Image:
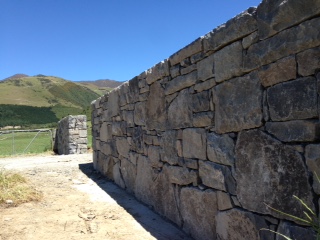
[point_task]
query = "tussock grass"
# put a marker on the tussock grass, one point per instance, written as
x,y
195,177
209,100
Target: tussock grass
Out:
x,y
15,187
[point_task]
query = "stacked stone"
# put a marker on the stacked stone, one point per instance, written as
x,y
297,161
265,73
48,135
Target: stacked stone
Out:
x,y
71,135
224,127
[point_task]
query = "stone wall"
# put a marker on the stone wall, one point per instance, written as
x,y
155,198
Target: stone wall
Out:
x,y
224,127
71,135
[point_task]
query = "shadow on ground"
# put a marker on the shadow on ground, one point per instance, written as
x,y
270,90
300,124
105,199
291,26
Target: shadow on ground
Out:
x,y
149,220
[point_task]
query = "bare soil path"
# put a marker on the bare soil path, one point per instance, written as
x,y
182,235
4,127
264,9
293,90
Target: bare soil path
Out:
x,y
78,203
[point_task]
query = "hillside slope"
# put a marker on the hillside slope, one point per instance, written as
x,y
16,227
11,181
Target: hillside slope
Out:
x,y
43,91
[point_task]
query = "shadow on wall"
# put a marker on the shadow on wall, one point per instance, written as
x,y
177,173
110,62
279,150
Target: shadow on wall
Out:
x,y
141,213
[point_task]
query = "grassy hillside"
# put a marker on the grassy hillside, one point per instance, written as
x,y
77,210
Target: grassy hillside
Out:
x,y
41,100
100,86
42,91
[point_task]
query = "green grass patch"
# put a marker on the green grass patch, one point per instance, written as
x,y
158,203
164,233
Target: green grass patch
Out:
x,y
15,187
18,142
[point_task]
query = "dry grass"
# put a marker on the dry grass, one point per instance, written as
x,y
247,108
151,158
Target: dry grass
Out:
x,y
16,188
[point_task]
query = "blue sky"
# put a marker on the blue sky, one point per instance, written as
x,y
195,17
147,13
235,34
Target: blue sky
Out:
x,y
99,39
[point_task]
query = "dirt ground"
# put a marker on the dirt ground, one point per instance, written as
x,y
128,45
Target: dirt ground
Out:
x,y
78,203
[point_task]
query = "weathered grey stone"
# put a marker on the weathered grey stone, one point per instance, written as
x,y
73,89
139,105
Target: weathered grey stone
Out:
x,y
154,156
181,82
113,103
228,62
133,157
210,83
188,69
189,163
250,39
294,231
220,149
206,68
234,29
268,172
192,48
235,224
105,132
169,152
200,102
123,147
197,57
180,111
216,176
198,209
238,104
175,71
293,100
312,156
282,70
203,119
137,140
129,173
290,41
128,117
117,176
308,61
224,201
154,189
116,129
294,131
194,143
123,94
276,15
181,175
140,113
157,72
185,62
156,112
179,148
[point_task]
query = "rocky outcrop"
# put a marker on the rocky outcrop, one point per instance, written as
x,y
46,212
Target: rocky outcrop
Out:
x,y
225,129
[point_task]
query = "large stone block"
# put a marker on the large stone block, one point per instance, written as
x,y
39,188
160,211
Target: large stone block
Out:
x,y
238,104
290,41
181,175
194,143
308,61
129,173
158,71
235,224
180,111
268,172
189,50
228,62
201,102
123,147
293,100
154,189
236,28
154,156
295,232
180,83
140,113
169,152
206,68
220,149
282,70
156,112
203,119
113,108
276,15
216,176
312,155
105,132
133,90
294,131
198,210
137,140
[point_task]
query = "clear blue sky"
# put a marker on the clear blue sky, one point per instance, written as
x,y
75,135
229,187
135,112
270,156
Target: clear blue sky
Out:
x,y
98,39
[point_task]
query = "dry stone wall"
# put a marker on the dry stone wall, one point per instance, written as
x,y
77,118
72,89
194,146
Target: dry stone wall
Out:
x,y
223,127
71,135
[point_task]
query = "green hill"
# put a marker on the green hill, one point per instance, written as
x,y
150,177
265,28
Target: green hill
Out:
x,y
41,99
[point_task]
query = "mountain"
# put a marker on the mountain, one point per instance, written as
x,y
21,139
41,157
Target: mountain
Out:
x,y
42,93
100,86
